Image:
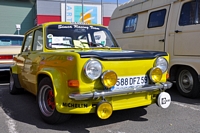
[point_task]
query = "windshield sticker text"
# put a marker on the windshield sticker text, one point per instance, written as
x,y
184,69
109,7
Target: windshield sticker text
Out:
x,y
94,28
64,26
81,26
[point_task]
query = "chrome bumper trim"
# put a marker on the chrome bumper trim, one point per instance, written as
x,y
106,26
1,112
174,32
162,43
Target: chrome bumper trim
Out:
x,y
110,93
5,67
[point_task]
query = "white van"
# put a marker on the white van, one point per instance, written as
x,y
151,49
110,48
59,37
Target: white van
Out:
x,y
164,25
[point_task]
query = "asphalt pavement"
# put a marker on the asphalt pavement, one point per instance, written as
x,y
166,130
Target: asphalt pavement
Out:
x,y
19,114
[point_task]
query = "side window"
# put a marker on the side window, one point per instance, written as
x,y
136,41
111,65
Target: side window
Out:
x,y
130,24
38,40
28,41
157,18
187,16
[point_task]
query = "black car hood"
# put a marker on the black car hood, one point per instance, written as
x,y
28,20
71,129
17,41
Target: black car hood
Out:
x,y
122,54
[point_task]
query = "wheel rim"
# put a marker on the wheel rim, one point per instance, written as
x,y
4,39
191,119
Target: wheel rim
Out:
x,y
185,81
11,82
46,100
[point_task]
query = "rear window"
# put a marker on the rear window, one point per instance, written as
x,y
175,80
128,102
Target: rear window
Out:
x,y
10,41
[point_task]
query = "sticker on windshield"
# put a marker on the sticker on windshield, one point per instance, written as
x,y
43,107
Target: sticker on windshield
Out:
x,y
50,45
81,26
50,40
49,36
64,26
94,28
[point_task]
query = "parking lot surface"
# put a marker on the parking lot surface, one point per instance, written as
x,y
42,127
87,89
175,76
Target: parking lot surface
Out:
x,y
19,114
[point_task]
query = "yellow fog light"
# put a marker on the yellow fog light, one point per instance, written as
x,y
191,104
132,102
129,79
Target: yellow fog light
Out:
x,y
104,110
109,78
155,74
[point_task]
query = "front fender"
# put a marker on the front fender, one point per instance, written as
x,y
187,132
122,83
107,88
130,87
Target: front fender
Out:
x,y
59,82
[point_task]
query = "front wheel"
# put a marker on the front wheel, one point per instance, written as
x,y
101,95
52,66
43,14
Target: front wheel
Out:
x,y
46,103
187,82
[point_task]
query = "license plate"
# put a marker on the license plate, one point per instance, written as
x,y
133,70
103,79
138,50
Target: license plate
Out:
x,y
126,82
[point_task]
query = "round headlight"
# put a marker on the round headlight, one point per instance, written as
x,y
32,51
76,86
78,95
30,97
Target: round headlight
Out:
x,y
162,64
109,78
155,74
93,69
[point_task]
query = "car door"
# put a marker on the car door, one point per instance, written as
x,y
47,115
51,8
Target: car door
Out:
x,y
154,36
33,60
187,30
23,59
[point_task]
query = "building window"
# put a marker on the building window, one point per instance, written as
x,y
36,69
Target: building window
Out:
x,y
190,13
130,24
157,18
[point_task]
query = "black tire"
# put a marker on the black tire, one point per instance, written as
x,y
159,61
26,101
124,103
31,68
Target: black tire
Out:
x,y
46,104
12,88
187,82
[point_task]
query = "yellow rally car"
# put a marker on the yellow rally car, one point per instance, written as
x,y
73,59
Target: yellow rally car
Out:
x,y
79,68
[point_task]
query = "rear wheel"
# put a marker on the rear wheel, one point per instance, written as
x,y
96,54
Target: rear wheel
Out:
x,y
46,103
12,88
187,82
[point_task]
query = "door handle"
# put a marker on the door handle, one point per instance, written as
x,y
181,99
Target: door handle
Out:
x,y
177,31
162,40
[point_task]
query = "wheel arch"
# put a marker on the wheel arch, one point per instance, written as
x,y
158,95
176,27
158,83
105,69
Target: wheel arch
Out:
x,y
14,72
58,83
47,104
53,74
40,77
174,69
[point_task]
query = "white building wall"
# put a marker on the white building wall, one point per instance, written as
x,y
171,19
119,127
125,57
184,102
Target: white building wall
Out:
x,y
45,7
48,7
108,9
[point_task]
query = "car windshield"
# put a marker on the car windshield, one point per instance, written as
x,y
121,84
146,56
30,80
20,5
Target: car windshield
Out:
x,y
11,40
79,36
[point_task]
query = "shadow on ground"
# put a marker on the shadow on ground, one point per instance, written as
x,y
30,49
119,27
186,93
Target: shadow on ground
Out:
x,y
23,108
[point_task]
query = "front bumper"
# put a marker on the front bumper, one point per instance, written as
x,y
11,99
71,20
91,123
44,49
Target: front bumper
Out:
x,y
110,93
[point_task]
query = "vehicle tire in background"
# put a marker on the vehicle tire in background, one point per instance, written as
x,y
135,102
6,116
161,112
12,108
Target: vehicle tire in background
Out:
x,y
46,103
187,82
